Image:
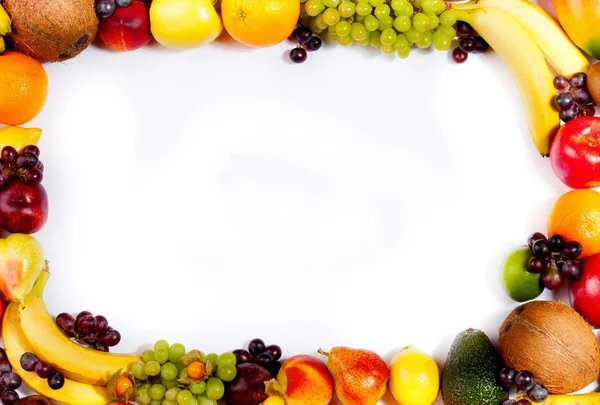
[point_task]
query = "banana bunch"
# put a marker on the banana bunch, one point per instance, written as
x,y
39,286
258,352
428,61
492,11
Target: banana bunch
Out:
x,y
4,27
28,327
533,46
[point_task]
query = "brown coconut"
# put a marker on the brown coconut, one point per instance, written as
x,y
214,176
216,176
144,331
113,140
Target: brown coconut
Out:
x,y
52,30
554,342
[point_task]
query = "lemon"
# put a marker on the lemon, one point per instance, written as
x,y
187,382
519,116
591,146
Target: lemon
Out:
x,y
18,137
414,377
520,284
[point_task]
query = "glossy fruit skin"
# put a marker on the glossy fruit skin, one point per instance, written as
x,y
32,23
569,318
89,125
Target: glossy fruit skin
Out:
x,y
414,377
581,21
184,24
584,295
305,380
127,29
248,387
575,153
23,208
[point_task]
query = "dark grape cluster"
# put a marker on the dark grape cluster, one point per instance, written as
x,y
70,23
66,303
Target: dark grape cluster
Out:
x,y
30,362
259,353
106,8
89,330
469,42
25,165
307,41
9,381
554,258
525,384
573,98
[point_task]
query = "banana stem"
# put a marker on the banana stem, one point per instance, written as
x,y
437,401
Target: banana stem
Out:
x,y
40,284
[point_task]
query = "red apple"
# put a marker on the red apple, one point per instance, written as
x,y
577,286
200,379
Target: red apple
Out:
x,y
128,28
23,208
584,294
575,153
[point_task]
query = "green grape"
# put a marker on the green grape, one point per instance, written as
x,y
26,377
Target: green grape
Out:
x,y
320,22
170,383
441,41
331,16
301,8
425,41
157,391
156,402
448,18
413,35
183,373
138,370
226,358
418,4
398,4
198,389
388,36
363,8
142,395
215,389
161,355
402,23
358,31
169,402
193,401
346,40
387,49
180,365
382,11
366,41
331,3
407,11
227,372
184,397
204,400
371,23
421,22
171,394
347,9
161,344
441,7
385,23
168,371
434,21
376,3
429,6
314,7
152,368
147,355
312,25
375,39
331,30
177,350
359,18
332,37
448,31
342,29
401,43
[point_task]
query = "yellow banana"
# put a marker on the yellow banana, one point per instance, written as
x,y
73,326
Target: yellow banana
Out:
x,y
50,344
19,137
72,393
4,21
559,50
527,66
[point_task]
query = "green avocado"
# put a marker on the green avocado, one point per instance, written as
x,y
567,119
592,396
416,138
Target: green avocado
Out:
x,y
469,374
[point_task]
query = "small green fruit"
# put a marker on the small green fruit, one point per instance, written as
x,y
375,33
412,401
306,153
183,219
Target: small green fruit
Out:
x,y
520,284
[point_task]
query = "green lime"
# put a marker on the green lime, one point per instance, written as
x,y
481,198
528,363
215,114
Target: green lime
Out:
x,y
520,284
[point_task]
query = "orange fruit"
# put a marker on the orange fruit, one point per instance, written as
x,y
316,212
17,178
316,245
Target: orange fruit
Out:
x,y
260,23
23,88
576,216
122,385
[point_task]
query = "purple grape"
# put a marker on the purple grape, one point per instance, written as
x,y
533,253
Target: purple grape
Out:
x,y
101,347
81,315
459,56
56,381
589,110
463,28
541,249
506,377
34,177
9,397
43,369
523,401
105,8
3,354
537,393
86,324
556,243
9,155
66,323
28,361
578,80
5,367
467,44
40,167
298,55
572,250
508,402
534,237
31,149
480,45
571,270
256,347
242,356
552,278
564,101
274,368
27,161
524,380
90,340
561,83
264,359
11,381
274,351
124,3
313,44
303,35
536,265
570,114
583,97
4,180
101,324
111,338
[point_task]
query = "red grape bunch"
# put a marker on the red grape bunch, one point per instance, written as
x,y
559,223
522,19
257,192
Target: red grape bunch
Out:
x,y
25,165
469,42
554,258
30,362
524,383
89,330
9,381
573,99
307,41
259,353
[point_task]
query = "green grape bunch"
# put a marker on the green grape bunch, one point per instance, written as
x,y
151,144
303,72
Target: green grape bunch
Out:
x,y
394,26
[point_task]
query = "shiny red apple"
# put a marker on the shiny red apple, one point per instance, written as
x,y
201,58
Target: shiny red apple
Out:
x,y
575,153
584,294
23,208
128,28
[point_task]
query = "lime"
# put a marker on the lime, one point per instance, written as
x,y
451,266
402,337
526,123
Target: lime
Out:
x,y
520,284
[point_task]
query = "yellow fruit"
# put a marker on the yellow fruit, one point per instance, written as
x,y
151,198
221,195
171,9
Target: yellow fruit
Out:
x,y
272,400
184,24
18,137
414,377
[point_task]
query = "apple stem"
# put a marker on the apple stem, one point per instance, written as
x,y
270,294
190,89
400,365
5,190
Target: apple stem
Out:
x,y
323,353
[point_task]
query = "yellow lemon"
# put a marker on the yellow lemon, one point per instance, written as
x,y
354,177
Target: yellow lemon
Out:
x,y
18,137
414,377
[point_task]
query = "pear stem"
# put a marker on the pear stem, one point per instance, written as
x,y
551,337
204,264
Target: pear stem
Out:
x,y
323,353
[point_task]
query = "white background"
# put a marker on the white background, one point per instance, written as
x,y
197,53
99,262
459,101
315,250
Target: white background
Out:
x,y
212,196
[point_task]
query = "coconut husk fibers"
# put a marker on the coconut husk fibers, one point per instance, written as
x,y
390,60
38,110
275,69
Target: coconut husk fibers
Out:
x,y
552,341
52,30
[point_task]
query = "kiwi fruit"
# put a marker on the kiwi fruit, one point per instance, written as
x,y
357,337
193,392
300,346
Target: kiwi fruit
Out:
x,y
593,82
552,341
52,30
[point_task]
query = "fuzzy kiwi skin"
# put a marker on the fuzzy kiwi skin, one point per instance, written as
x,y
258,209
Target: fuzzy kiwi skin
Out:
x,y
52,30
469,374
552,341
593,82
